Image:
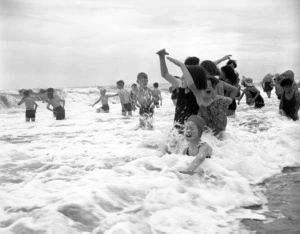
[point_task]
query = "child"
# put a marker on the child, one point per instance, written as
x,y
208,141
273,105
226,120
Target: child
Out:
x,y
124,98
58,109
194,128
104,99
30,105
156,95
133,92
290,100
144,99
255,97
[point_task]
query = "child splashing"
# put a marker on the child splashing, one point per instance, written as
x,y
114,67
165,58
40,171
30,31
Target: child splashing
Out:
x,y
194,128
104,100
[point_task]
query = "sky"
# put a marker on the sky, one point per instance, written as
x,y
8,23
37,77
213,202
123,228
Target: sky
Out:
x,y
69,43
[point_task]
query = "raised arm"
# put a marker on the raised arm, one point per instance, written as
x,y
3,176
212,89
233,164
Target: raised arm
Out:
x,y
164,70
226,57
189,80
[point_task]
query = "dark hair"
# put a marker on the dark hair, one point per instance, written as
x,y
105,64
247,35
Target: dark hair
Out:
x,y
192,61
134,85
50,95
26,93
211,67
50,90
155,85
120,82
199,76
286,82
229,74
233,62
214,81
141,74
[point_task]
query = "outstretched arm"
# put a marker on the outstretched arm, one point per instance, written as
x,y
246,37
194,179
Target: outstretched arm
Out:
x,y
204,151
222,59
164,70
231,89
111,95
97,101
22,100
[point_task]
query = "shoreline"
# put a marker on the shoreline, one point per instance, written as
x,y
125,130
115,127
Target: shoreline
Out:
x,y
283,207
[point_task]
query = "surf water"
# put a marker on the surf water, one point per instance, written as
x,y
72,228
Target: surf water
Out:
x,y
99,173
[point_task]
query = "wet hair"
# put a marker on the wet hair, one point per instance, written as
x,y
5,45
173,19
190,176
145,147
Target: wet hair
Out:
x,y
192,61
155,85
50,95
120,83
233,62
134,85
26,93
211,67
199,122
286,82
214,81
50,90
229,74
103,91
198,74
141,75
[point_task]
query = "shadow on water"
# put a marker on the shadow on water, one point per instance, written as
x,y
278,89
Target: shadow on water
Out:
x,y
283,213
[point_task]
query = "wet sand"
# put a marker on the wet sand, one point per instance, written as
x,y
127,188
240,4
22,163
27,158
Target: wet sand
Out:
x,y
283,208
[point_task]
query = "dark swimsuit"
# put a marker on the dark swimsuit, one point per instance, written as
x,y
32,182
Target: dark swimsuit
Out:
x,y
188,154
268,87
30,113
289,106
185,107
59,112
105,107
259,101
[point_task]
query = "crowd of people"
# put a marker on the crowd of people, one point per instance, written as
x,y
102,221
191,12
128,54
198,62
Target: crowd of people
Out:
x,y
203,96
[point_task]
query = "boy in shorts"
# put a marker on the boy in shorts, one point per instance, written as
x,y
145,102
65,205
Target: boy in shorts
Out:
x,y
30,106
156,95
124,98
104,99
133,93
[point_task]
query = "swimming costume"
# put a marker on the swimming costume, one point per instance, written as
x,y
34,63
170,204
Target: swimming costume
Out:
x,y
289,106
259,101
105,107
59,112
127,107
268,87
188,153
30,113
146,110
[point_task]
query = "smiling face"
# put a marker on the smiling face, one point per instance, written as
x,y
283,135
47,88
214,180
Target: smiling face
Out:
x,y
191,132
143,81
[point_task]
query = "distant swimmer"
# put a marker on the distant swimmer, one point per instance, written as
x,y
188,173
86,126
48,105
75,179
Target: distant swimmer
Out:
x,y
267,84
253,94
133,92
125,98
290,100
58,109
156,95
30,105
193,130
104,100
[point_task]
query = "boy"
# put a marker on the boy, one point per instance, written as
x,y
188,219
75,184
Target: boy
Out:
x,y
290,100
57,109
156,95
124,98
144,100
30,106
104,99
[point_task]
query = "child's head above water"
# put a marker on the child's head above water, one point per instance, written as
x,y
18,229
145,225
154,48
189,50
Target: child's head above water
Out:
x,y
120,84
194,128
155,85
102,91
26,93
142,79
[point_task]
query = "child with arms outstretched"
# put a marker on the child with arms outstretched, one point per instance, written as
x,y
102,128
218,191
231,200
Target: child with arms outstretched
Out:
x,y
104,100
